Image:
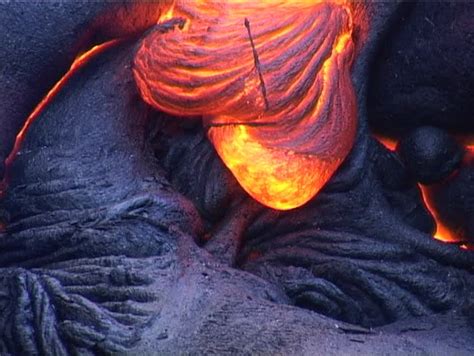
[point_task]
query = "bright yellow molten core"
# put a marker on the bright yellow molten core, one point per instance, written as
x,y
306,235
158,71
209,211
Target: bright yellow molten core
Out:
x,y
277,178
272,81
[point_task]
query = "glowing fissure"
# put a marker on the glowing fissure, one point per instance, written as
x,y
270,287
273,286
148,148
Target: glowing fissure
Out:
x,y
389,143
271,80
79,62
443,232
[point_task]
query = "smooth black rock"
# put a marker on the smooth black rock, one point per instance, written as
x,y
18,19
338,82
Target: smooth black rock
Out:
x,y
424,73
430,154
403,195
454,201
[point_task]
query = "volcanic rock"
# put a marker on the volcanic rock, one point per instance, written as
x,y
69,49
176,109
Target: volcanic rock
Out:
x,y
430,154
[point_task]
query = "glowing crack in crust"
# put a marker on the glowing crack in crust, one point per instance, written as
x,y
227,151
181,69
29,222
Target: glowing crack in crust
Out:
x,y
282,138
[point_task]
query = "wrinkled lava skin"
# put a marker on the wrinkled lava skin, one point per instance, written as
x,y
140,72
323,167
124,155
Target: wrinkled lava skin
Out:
x,y
282,126
119,224
33,60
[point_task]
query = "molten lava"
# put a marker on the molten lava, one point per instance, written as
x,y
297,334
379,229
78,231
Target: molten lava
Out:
x,y
443,232
388,142
271,79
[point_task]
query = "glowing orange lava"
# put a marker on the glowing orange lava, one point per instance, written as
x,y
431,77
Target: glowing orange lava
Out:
x,y
470,149
442,233
388,142
271,80
78,63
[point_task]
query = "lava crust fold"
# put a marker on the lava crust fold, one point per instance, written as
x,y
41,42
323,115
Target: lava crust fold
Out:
x,y
271,80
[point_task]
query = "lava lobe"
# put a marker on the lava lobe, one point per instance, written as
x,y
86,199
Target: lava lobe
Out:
x,y
271,80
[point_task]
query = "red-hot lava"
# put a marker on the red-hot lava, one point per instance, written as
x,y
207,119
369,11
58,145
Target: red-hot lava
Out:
x,y
271,79
388,142
79,62
443,232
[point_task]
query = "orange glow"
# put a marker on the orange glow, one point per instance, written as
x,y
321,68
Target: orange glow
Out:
x,y
443,233
168,15
389,143
470,152
271,80
275,165
78,63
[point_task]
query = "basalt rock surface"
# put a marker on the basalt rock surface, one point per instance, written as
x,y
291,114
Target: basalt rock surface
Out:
x,y
430,154
126,234
41,39
424,74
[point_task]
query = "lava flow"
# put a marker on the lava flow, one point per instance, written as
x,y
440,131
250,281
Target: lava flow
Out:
x,y
443,232
271,80
79,62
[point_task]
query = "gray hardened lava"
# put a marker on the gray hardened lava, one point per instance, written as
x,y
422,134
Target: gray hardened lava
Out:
x,y
41,39
453,199
424,73
430,154
91,235
125,233
435,159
